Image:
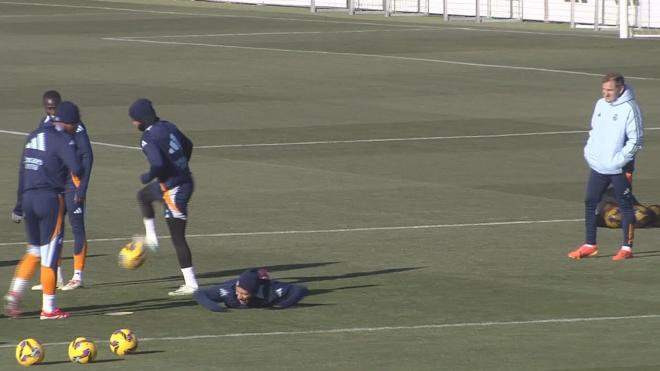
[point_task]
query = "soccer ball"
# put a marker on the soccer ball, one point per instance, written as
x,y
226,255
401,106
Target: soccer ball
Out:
x,y
123,341
132,255
82,350
643,216
612,217
29,352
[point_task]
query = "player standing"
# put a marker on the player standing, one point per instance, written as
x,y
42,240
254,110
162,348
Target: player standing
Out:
x,y
168,151
47,160
616,135
74,196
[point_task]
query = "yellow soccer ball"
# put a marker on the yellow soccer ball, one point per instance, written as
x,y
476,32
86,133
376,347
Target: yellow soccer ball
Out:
x,y
612,217
132,255
644,217
82,350
29,352
123,341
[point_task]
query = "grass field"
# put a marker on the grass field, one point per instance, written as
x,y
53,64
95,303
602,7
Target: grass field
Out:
x,y
424,180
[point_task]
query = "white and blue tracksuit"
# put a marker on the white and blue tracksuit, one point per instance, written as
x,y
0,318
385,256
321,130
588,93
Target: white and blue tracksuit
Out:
x,y
616,135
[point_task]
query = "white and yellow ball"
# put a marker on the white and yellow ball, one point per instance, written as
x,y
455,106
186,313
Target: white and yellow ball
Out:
x,y
82,350
29,352
123,341
132,255
612,217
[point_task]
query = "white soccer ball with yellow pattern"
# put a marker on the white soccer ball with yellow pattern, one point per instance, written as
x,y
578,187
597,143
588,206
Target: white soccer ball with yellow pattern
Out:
x,y
82,350
132,255
29,352
123,341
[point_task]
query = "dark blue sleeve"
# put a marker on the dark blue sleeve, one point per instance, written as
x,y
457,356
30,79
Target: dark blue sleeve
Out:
x,y
155,158
86,158
18,209
65,150
187,145
292,295
209,298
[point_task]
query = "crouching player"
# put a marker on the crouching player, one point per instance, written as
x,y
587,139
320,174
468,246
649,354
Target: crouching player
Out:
x,y
252,289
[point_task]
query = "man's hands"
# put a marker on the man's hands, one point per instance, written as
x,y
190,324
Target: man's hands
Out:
x,y
16,216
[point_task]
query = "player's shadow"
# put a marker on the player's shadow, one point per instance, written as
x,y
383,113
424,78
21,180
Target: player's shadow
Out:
x,y
145,352
12,263
8,263
69,362
227,274
347,275
130,306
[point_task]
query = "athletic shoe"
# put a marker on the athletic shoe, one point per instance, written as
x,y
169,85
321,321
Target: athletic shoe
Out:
x,y
151,244
60,285
55,314
622,255
72,285
12,305
183,290
583,251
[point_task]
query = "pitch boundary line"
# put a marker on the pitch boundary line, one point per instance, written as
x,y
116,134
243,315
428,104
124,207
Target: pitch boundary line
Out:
x,y
385,328
279,33
378,56
339,230
351,141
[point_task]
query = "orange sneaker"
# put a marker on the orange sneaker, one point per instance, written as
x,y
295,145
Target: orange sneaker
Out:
x,y
622,255
583,251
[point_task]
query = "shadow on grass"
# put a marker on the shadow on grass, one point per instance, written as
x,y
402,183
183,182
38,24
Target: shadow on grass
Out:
x,y
226,274
637,254
12,263
145,352
348,275
131,306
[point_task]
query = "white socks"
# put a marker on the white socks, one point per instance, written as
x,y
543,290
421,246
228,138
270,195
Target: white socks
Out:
x,y
48,303
150,230
189,277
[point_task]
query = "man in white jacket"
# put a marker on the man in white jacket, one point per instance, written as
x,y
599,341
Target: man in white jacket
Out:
x,y
616,135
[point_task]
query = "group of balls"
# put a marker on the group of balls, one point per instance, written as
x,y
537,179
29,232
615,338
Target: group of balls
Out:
x,y
645,216
81,350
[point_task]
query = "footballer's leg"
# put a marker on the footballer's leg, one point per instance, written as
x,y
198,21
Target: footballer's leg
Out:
x,y
596,186
623,193
28,264
146,197
76,214
51,209
176,215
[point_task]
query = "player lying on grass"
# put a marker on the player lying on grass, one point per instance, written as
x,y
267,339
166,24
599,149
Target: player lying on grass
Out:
x,y
252,289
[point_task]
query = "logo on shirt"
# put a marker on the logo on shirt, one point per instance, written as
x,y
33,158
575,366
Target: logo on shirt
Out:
x,y
616,116
144,144
223,292
78,211
38,142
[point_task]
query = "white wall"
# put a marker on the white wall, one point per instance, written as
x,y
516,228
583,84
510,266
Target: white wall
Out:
x,y
533,10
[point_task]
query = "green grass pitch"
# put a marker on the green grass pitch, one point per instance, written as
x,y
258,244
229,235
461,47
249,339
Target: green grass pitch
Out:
x,y
443,252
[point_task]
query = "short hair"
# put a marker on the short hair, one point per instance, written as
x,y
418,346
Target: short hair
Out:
x,y
52,94
614,76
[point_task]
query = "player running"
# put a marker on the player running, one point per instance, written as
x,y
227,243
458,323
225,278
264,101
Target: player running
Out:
x,y
47,161
252,289
168,151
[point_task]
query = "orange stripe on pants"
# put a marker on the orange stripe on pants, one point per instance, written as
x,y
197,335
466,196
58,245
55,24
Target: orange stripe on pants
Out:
x,y
79,259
